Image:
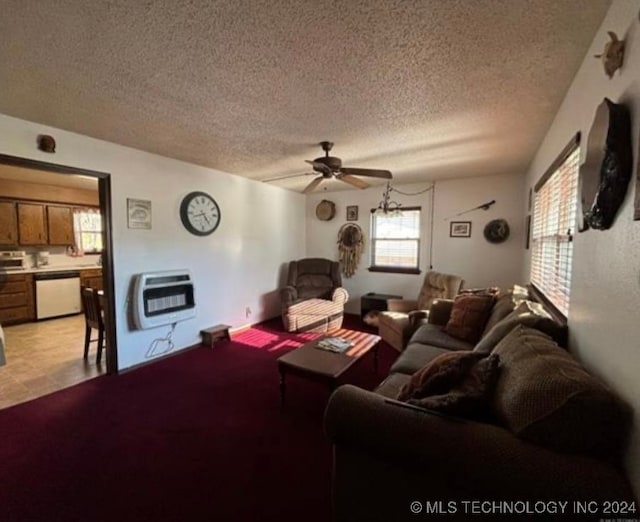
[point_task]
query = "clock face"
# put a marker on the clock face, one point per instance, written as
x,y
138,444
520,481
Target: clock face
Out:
x,y
199,213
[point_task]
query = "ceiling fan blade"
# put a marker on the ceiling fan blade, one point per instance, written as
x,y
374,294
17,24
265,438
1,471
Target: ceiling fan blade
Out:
x,y
353,181
287,177
314,183
372,173
320,167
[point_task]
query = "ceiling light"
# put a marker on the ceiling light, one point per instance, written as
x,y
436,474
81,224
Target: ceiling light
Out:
x,y
387,207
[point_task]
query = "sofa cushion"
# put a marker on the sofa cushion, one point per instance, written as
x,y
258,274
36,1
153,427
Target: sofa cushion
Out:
x,y
545,396
414,357
505,303
456,383
434,335
391,386
526,313
468,316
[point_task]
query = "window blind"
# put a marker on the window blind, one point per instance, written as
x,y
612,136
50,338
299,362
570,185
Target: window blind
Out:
x,y
395,239
554,217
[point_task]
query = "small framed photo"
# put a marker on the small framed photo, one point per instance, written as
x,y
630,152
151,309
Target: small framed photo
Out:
x,y
460,229
138,213
352,213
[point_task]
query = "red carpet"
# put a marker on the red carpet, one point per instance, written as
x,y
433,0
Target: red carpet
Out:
x,y
197,436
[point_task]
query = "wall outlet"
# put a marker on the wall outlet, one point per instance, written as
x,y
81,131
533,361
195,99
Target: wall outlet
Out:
x,y
247,312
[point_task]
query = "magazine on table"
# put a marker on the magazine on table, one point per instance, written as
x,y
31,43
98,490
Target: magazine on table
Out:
x,y
334,344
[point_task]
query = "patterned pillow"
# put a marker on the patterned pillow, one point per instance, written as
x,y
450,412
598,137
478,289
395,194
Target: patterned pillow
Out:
x,y
468,316
456,383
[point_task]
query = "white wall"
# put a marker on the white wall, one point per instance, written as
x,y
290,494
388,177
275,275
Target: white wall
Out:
x,y
477,261
605,289
240,265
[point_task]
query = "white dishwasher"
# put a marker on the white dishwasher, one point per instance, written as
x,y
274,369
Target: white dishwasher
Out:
x,y
57,293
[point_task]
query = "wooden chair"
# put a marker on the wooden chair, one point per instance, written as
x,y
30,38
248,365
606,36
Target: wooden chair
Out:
x,y
93,320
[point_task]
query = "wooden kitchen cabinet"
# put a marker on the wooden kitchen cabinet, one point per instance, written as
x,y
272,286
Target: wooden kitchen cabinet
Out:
x,y
60,225
92,278
32,228
8,223
17,303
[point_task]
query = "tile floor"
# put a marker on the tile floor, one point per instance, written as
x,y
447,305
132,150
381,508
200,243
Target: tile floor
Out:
x,y
43,357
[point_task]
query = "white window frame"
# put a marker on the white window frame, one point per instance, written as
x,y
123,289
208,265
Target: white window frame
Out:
x,y
375,264
553,225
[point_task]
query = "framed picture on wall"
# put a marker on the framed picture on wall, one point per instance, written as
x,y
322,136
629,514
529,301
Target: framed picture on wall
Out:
x,y
460,229
352,213
138,213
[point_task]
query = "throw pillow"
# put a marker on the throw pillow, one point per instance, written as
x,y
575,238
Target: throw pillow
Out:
x,y
506,301
545,396
527,313
468,316
456,383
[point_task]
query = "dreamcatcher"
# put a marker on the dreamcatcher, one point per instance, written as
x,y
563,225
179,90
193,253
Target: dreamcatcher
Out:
x,y
350,245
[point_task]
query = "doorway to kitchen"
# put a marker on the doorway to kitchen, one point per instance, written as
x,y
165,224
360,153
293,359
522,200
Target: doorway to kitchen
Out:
x,y
42,333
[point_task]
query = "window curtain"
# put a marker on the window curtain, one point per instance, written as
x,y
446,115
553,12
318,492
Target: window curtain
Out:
x,y
87,222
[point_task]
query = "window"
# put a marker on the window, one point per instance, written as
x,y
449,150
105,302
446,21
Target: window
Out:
x,y
395,241
554,216
87,226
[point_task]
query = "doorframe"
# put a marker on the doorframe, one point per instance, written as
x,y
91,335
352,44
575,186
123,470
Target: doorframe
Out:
x,y
104,196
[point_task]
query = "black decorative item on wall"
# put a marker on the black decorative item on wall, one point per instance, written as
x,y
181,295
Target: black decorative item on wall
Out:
x,y
496,231
605,174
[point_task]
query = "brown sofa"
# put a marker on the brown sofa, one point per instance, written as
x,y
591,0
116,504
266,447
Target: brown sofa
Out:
x,y
556,434
313,299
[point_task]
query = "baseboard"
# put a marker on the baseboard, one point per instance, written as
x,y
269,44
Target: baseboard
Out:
x,y
159,358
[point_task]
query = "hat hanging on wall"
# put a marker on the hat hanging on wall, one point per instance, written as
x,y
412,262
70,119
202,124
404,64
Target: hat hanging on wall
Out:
x,y
496,231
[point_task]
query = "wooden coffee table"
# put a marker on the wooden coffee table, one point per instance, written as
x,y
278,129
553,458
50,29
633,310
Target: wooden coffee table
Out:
x,y
325,366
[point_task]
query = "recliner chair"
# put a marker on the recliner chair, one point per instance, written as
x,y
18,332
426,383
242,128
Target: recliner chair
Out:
x,y
403,317
313,300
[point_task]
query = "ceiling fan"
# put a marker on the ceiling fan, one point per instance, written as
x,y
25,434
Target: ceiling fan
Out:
x,y
331,167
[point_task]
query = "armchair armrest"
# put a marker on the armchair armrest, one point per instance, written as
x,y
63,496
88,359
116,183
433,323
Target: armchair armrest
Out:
x,y
416,317
440,311
485,460
402,305
340,295
288,295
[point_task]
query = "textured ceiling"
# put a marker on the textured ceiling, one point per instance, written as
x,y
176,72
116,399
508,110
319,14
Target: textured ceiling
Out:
x,y
426,89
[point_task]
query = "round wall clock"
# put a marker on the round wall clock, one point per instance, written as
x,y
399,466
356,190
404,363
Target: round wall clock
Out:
x,y
199,213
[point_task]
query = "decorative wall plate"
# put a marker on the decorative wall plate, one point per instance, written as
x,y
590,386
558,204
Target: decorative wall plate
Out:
x,y
496,231
326,210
